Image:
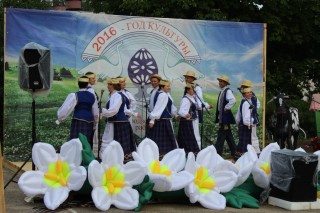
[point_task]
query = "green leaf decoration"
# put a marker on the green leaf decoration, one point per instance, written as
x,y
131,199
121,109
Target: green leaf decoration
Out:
x,y
251,187
145,192
239,198
87,154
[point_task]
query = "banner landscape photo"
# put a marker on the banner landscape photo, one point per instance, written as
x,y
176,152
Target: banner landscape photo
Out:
x,y
127,46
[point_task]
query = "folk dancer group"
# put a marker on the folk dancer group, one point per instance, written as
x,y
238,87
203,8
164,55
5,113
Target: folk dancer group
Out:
x,y
121,106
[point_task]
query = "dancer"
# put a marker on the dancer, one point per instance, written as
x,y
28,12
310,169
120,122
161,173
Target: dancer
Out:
x,y
224,116
85,115
131,102
246,118
95,136
161,129
188,117
255,101
117,127
155,81
190,77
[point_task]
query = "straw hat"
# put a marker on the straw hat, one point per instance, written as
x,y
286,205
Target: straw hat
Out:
x,y
155,76
91,75
165,82
245,90
113,81
122,79
246,83
190,74
192,85
83,79
224,78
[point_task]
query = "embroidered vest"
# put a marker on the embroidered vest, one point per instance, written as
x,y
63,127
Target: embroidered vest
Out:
x,y
83,108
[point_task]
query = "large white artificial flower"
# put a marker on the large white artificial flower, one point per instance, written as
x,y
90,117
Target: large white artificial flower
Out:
x,y
245,164
212,175
261,172
58,174
112,180
167,174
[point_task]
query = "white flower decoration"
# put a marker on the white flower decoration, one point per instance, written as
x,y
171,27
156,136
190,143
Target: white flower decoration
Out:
x,y
112,181
167,174
245,164
58,174
212,176
261,172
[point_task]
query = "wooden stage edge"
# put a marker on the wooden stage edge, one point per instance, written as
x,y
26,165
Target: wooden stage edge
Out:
x,y
14,166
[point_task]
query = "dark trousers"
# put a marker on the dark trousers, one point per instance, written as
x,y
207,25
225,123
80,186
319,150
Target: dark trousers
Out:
x,y
225,134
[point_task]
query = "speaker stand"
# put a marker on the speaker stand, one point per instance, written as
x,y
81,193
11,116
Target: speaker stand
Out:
x,y
32,142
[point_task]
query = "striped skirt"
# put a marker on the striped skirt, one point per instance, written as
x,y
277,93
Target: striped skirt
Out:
x,y
78,126
162,134
186,137
244,134
124,135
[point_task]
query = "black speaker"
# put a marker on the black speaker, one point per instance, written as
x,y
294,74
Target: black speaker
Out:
x,y
294,176
35,73
32,58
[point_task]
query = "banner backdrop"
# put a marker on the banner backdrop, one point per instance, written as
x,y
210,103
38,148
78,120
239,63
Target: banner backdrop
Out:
x,y
132,47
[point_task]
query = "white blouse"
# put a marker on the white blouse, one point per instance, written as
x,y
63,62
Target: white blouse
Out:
x,y
198,96
246,114
69,104
132,103
160,106
185,105
115,101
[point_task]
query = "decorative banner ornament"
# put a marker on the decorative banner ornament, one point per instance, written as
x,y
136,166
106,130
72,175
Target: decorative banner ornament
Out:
x,y
141,66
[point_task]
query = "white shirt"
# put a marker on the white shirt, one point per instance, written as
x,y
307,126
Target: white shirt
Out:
x,y
69,104
160,106
132,103
115,101
185,105
246,114
199,98
229,96
151,100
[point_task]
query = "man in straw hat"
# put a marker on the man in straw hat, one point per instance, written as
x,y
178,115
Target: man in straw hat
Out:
x,y
255,101
85,115
117,127
190,77
246,118
161,129
224,116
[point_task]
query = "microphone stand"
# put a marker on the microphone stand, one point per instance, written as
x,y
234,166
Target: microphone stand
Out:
x,y
146,106
202,106
99,131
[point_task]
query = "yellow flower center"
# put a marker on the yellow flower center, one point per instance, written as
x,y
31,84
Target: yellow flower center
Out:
x,y
156,168
113,180
203,182
265,167
58,174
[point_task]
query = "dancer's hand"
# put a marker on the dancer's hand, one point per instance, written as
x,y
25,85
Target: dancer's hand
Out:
x,y
151,125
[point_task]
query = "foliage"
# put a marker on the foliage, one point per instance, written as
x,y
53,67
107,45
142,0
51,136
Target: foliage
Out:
x,y
314,144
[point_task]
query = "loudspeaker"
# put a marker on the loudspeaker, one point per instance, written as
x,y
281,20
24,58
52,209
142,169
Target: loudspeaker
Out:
x,y
294,176
35,73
